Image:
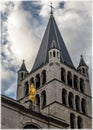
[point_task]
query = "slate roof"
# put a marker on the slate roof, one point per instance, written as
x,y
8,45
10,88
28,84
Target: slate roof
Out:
x,y
82,62
23,67
52,33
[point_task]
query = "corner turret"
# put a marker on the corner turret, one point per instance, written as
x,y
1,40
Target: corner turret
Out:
x,y
83,68
22,73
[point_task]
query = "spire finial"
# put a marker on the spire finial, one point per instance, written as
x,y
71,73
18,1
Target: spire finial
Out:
x,y
51,5
23,61
81,56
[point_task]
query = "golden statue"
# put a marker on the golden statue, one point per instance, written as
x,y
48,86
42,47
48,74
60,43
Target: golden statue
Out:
x,y
32,93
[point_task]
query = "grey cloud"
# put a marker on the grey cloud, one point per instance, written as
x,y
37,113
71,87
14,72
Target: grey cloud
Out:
x,y
74,21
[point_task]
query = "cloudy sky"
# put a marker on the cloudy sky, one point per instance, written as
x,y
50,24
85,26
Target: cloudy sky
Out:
x,y
22,27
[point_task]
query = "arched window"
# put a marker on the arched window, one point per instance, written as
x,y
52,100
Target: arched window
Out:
x,y
44,77
69,78
43,95
79,70
79,122
50,54
81,85
54,54
57,54
83,105
26,88
32,80
37,100
77,102
64,96
63,74
83,70
72,121
71,100
30,126
21,75
37,81
25,74
75,82
86,71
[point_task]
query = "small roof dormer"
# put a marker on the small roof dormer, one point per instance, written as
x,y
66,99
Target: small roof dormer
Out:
x,y
54,45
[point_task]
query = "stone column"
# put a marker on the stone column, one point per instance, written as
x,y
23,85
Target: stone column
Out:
x,y
74,103
35,82
66,77
78,84
76,125
80,106
40,80
67,99
40,101
72,81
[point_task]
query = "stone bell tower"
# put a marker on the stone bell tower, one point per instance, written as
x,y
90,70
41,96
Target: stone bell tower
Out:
x,y
63,91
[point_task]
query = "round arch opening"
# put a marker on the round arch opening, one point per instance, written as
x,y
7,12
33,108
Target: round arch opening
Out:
x,y
30,126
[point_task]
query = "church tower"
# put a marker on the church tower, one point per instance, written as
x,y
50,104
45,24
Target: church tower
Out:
x,y
83,68
22,74
62,90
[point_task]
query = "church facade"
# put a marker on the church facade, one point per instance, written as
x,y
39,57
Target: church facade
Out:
x,y
63,94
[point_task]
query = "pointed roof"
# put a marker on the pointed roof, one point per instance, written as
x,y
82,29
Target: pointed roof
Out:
x,y
82,62
23,67
52,33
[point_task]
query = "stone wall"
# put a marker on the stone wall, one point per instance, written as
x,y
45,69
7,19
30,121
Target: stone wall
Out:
x,y
15,116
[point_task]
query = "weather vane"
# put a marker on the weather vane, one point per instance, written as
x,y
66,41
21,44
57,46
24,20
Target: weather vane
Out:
x,y
51,5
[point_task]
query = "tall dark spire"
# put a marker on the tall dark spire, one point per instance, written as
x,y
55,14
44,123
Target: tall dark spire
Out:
x,y
23,67
52,33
